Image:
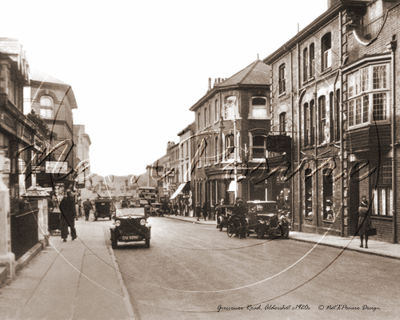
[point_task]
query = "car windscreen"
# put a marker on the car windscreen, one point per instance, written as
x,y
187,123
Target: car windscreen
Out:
x,y
130,212
262,207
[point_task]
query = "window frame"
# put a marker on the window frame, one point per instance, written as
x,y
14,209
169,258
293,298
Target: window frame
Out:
x,y
282,123
326,51
359,93
252,147
258,107
282,78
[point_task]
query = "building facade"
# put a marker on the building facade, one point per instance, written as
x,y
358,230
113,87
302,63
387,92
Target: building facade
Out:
x,y
232,122
82,144
336,78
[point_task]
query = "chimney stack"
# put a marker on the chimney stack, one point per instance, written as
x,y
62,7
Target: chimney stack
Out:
x,y
209,83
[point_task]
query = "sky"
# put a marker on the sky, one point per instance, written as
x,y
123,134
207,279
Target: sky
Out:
x,y
136,67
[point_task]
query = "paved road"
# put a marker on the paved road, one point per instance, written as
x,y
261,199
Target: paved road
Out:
x,y
191,270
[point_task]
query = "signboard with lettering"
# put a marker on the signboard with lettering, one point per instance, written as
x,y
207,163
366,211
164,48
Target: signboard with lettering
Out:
x,y
56,167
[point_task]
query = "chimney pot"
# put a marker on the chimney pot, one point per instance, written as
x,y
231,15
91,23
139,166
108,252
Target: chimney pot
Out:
x,y
209,83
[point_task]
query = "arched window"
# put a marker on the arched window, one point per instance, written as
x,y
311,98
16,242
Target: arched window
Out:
x,y
216,110
337,114
321,120
331,126
312,122
312,60
306,124
282,123
46,107
205,117
229,147
230,107
305,64
326,54
216,149
308,193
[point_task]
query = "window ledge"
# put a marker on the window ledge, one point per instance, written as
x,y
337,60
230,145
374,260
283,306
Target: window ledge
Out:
x,y
281,94
308,80
260,118
327,221
327,70
257,160
308,218
376,216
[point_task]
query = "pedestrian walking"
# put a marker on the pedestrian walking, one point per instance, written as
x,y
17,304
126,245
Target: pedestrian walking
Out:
x,y
175,209
87,206
198,211
68,214
205,210
364,221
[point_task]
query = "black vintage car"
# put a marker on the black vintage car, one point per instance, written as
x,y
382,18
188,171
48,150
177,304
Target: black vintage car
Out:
x,y
130,224
103,208
223,214
264,218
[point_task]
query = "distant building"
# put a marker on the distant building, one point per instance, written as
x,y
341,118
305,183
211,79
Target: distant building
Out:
x,y
82,145
54,100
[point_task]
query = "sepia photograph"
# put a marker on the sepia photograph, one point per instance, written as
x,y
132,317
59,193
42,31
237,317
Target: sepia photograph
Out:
x,y
199,159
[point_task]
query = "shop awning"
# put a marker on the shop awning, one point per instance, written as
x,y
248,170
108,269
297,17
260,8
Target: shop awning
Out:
x,y
179,190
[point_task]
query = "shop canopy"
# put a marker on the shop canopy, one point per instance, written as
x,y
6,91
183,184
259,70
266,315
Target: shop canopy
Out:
x,y
179,190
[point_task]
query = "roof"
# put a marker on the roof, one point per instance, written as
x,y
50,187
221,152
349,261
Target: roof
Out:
x,y
255,74
313,27
189,127
40,76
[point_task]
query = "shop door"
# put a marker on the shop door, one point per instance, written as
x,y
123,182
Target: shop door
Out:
x,y
354,203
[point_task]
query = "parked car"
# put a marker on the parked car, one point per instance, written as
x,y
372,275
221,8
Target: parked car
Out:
x,y
223,218
155,209
264,218
130,224
103,208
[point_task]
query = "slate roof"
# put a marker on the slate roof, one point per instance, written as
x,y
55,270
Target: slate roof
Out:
x,y
40,76
255,74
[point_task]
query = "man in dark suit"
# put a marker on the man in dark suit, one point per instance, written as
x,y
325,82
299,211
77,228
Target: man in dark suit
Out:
x,y
68,213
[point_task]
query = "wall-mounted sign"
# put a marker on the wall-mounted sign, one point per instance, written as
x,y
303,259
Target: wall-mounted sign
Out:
x,y
56,167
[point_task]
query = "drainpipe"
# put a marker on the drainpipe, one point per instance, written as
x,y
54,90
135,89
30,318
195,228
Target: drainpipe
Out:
x,y
316,135
292,143
341,130
299,192
392,46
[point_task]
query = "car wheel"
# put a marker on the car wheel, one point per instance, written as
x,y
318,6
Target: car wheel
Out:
x,y
260,233
114,242
148,243
230,229
285,233
271,234
95,218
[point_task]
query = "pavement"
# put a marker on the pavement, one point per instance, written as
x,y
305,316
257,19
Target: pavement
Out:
x,y
80,279
76,279
375,247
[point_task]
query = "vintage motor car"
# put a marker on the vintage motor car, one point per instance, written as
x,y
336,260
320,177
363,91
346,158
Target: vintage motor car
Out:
x,y
264,218
224,212
155,209
103,208
130,224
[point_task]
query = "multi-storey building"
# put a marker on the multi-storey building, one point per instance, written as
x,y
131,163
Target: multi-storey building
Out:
x,y
17,132
172,168
82,145
54,100
336,79
231,127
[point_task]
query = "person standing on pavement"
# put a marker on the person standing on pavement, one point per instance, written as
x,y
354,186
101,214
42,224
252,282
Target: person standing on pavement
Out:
x,y
205,210
364,221
239,211
68,213
87,206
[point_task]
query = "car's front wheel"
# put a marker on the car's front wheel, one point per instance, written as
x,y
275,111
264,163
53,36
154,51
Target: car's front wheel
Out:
x,y
260,233
285,233
114,242
148,243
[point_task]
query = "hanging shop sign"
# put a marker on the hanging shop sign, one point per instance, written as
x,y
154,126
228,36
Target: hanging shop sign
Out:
x,y
56,167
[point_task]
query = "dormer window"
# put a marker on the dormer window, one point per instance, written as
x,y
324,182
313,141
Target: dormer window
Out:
x,y
259,108
46,107
326,45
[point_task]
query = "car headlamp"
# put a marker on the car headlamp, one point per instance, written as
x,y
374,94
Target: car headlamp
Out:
x,y
118,223
262,221
142,222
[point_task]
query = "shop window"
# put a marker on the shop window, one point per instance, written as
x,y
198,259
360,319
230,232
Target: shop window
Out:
x,y
322,120
258,108
326,54
258,147
282,123
282,83
46,107
368,95
308,193
383,194
328,213
312,60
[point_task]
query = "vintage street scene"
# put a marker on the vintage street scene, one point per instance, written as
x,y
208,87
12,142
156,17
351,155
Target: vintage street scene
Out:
x,y
200,160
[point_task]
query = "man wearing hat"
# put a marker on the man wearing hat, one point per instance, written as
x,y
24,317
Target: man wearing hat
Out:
x,y
68,213
364,221
239,211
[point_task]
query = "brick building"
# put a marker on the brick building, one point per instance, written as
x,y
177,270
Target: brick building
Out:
x,y
336,79
82,144
242,103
